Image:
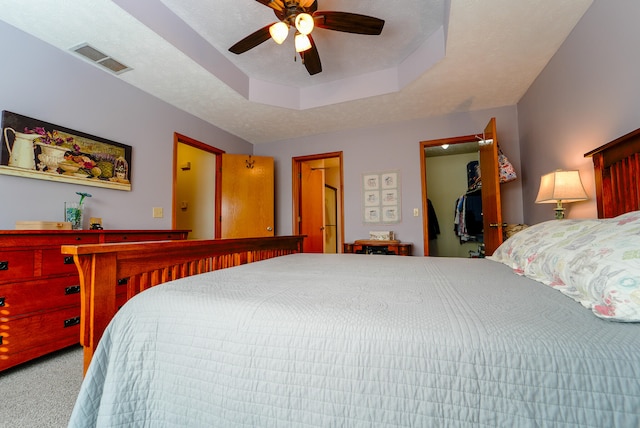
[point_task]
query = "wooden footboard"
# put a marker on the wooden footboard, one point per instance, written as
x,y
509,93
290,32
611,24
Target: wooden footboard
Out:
x,y
111,274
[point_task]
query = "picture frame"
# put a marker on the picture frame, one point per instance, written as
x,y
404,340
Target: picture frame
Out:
x,y
33,148
381,197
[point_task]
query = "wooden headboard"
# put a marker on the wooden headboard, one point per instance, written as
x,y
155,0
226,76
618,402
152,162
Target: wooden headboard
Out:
x,y
617,175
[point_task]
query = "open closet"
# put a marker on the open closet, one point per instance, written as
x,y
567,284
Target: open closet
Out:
x,y
461,195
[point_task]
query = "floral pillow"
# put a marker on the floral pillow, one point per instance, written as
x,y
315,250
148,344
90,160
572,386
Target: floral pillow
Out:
x,y
518,251
600,267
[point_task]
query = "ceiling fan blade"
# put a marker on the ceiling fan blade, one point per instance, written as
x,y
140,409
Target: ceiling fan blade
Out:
x,y
348,22
252,40
273,4
311,58
309,5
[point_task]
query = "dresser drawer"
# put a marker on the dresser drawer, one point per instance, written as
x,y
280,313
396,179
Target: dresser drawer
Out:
x,y
55,330
20,298
56,263
138,237
16,265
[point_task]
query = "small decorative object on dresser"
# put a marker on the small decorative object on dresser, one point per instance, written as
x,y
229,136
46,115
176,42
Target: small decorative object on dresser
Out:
x,y
381,236
74,211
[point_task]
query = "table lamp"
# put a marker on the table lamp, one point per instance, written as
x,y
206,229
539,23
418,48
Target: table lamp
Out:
x,y
561,186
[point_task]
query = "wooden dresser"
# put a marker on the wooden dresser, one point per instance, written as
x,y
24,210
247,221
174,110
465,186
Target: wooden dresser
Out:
x,y
366,246
39,288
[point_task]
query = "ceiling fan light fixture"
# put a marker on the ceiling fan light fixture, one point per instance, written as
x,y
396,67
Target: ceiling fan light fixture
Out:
x,y
279,32
304,23
302,43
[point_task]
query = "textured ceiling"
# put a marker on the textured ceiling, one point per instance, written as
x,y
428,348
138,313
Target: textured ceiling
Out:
x,y
178,52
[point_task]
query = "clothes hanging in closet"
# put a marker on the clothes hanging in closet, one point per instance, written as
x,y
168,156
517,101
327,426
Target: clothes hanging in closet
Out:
x,y
434,228
468,224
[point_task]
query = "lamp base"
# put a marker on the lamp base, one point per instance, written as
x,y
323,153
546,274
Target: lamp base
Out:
x,y
559,209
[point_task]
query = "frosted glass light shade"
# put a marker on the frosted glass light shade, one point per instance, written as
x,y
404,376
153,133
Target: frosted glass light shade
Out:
x,y
302,43
279,32
304,23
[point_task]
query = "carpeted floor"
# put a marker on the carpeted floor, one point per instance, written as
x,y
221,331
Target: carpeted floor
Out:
x,y
41,393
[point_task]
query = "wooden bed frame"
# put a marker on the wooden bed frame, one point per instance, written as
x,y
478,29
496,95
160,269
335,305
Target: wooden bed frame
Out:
x,y
111,274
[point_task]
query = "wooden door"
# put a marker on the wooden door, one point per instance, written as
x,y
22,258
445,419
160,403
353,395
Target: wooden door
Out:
x,y
491,203
312,208
247,196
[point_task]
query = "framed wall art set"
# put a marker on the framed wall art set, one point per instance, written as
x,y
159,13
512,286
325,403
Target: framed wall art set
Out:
x,y
381,197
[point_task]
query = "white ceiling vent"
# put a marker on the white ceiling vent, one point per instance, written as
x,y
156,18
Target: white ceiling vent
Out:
x,y
97,57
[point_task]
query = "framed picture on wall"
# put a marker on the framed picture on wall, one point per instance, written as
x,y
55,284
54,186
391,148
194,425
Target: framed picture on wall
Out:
x,y
32,148
381,197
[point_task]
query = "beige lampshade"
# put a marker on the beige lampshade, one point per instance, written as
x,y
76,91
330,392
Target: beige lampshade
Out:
x,y
279,32
561,186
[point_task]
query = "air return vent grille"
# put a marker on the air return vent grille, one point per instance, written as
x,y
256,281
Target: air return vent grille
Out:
x,y
97,57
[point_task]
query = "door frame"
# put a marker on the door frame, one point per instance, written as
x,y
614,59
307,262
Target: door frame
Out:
x,y
183,139
296,171
423,178
493,226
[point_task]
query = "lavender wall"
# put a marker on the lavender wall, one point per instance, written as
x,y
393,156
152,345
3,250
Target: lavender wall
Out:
x,y
76,95
391,147
588,95
40,81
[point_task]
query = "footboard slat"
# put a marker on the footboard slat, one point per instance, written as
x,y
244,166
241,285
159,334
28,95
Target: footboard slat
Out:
x,y
142,265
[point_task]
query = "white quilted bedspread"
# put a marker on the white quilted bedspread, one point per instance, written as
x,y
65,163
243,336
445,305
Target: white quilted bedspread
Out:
x,y
361,341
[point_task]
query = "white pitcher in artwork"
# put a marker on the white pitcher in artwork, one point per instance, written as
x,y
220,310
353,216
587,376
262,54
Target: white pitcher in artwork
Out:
x,y
22,154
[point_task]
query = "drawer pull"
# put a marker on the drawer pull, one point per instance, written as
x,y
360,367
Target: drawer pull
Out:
x,y
123,281
74,289
4,265
2,301
71,322
68,260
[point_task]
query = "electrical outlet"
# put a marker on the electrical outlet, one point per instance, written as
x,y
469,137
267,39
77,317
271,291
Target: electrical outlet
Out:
x,y
416,212
157,212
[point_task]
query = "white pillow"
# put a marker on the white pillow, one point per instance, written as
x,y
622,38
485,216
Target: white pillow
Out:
x,y
599,267
517,251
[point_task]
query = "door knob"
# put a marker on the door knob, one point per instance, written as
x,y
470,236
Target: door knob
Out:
x,y
269,228
496,225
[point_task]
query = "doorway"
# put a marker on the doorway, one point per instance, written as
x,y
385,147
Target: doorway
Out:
x,y
449,167
318,201
196,175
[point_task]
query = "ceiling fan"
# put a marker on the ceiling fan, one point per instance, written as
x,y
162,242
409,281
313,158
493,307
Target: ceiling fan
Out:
x,y
304,15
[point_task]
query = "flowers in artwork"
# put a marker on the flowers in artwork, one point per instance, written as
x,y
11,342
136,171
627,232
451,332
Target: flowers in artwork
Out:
x,y
51,137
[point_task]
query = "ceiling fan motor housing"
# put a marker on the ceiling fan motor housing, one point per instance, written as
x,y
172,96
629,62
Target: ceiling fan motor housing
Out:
x,y
291,10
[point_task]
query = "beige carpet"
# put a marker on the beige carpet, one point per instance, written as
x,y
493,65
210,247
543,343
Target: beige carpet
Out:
x,y
41,393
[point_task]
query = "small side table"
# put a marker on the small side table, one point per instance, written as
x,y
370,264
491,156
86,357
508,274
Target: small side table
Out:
x,y
367,246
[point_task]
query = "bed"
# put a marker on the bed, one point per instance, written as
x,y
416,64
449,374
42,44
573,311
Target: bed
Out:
x,y
544,333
